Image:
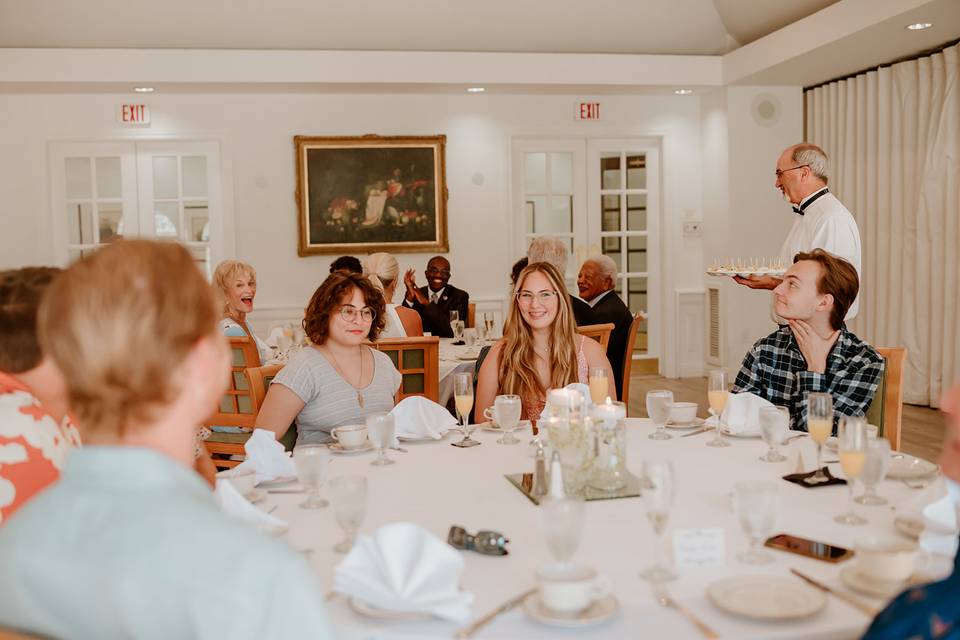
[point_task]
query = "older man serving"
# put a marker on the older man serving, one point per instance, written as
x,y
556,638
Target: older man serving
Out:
x,y
596,285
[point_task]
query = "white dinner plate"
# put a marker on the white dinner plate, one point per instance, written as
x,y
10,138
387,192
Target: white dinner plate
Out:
x,y
468,357
490,425
600,611
424,438
766,597
696,422
906,467
336,447
377,613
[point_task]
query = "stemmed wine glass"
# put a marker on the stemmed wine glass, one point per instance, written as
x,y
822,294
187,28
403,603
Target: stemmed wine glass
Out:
x,y
488,325
657,490
756,504
717,395
562,521
463,398
852,444
773,427
310,461
819,426
349,495
380,427
506,410
874,471
659,402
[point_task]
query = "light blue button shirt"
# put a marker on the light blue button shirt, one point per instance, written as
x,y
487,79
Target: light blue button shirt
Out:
x,y
129,543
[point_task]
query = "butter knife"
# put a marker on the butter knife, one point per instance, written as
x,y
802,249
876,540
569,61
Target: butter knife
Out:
x,y
850,600
697,432
466,632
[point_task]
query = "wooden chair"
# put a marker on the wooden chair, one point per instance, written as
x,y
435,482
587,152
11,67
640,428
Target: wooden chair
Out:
x,y
628,357
598,332
471,315
236,406
886,410
418,361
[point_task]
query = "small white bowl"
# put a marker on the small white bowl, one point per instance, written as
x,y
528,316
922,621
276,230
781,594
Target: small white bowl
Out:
x,y
683,412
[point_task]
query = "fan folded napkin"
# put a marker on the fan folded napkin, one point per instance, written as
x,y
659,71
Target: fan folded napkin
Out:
x,y
418,417
935,508
742,413
404,568
266,457
237,507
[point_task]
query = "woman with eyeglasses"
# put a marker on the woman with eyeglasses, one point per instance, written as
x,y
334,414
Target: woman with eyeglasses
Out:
x,y
337,380
540,349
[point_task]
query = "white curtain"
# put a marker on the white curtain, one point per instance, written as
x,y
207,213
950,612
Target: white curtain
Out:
x,y
893,138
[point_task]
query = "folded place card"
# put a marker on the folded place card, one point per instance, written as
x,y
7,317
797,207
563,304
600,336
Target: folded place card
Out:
x,y
694,548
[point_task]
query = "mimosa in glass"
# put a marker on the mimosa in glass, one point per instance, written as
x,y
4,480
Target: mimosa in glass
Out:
x,y
599,385
819,426
463,399
852,443
717,394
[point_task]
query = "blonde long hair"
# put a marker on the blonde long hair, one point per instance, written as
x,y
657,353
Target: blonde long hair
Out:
x,y
518,371
382,270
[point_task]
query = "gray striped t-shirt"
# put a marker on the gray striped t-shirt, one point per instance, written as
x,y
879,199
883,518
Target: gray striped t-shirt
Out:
x,y
329,400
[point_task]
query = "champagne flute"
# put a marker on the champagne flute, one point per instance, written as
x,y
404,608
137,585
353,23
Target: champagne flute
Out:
x,y
874,471
463,398
659,402
773,427
562,522
756,504
717,395
310,461
599,384
852,444
349,495
488,325
506,410
380,427
819,426
657,489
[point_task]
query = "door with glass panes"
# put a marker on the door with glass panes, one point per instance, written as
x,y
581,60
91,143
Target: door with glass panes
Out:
x,y
104,191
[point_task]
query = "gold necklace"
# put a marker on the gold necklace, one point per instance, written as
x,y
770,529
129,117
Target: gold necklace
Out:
x,y
336,365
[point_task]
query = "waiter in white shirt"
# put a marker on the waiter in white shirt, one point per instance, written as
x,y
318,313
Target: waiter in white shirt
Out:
x,y
822,221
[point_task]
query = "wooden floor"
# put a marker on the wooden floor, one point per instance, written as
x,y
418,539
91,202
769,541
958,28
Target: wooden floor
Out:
x,y
922,430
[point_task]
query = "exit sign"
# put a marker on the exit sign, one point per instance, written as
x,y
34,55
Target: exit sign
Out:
x,y
587,111
133,114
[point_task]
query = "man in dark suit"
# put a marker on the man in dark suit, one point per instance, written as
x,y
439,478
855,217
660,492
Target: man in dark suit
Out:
x,y
595,283
435,301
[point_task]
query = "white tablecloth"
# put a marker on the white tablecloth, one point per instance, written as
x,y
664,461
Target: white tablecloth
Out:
x,y
436,485
455,358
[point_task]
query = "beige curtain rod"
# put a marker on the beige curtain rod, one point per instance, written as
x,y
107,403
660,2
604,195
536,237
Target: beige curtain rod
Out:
x,y
916,56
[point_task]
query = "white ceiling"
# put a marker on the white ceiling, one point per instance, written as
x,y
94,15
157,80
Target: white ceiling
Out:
x,y
698,27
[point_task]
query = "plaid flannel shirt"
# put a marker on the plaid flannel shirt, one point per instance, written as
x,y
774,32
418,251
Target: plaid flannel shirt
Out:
x,y
776,370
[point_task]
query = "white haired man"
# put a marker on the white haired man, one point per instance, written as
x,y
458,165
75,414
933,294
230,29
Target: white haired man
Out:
x,y
596,281
822,220
554,251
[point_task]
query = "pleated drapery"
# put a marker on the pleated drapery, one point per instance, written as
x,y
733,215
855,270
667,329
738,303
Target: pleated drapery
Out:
x,y
893,138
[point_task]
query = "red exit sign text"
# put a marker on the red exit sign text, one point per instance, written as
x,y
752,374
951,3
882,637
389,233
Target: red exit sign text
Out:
x,y
133,114
588,111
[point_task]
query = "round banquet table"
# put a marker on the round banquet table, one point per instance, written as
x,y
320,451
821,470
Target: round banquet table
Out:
x,y
436,485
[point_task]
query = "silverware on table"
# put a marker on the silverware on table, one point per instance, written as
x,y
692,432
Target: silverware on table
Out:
x,y
664,599
697,432
856,603
479,623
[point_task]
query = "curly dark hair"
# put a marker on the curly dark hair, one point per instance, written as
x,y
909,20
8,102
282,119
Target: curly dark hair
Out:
x,y
329,297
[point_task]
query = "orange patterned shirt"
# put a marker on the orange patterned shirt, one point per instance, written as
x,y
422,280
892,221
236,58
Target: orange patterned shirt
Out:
x,y
33,447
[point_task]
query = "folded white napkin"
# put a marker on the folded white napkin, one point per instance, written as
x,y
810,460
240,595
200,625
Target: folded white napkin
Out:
x,y
939,515
404,568
742,413
266,457
237,507
419,417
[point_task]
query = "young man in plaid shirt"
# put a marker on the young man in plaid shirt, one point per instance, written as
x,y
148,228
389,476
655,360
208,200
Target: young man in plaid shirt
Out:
x,y
814,351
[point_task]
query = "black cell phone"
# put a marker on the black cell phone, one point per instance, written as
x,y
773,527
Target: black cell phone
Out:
x,y
809,548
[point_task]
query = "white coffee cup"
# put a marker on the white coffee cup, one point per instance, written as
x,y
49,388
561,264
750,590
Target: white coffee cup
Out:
x,y
886,557
683,412
243,481
570,588
350,436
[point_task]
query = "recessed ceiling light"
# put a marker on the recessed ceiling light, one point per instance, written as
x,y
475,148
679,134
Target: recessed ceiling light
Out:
x,y
683,92
476,89
919,26
143,89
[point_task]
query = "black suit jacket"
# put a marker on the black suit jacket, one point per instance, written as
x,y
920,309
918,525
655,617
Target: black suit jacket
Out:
x,y
611,309
436,315
581,311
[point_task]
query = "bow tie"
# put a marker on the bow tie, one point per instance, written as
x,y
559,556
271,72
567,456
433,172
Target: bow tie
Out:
x,y
810,200
798,210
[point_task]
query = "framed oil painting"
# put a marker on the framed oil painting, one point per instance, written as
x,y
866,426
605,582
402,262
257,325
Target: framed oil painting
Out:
x,y
371,193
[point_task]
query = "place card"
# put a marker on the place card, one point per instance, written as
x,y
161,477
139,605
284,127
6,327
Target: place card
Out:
x,y
695,548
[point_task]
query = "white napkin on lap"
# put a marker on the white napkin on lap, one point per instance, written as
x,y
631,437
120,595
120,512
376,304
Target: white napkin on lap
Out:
x,y
404,568
266,457
742,413
419,417
239,508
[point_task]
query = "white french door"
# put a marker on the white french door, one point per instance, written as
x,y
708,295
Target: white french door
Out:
x,y
104,191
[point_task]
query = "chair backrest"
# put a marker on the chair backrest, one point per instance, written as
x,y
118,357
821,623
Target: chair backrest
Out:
x,y
418,361
599,332
236,406
628,357
471,315
260,379
886,409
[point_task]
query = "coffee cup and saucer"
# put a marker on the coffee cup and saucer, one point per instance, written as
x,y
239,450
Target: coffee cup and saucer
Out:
x,y
351,438
884,566
683,415
245,483
570,595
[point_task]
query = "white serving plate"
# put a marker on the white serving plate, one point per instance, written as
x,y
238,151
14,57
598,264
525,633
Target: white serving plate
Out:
x,y
766,597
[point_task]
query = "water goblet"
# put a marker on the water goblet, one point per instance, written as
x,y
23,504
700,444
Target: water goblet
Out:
x,y
506,410
717,395
657,490
852,444
349,495
756,504
599,384
875,469
310,461
463,399
819,426
380,430
659,402
773,428
562,522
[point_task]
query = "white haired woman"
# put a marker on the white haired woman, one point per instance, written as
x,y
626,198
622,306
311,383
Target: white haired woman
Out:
x,y
383,271
237,282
